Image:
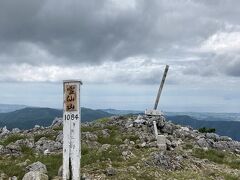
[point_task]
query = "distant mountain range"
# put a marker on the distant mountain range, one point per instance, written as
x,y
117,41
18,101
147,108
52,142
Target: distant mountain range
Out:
x,y
27,118
4,108
121,112
227,128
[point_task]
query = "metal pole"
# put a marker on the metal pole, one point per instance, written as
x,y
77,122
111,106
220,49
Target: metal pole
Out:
x,y
161,87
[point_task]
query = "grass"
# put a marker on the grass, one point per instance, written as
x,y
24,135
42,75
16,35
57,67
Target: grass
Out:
x,y
188,146
130,137
50,136
103,120
113,153
113,139
90,128
12,138
219,157
59,128
230,177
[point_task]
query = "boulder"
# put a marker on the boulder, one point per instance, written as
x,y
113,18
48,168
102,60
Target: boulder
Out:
x,y
111,171
15,130
213,136
37,166
57,122
59,137
203,143
45,144
35,175
89,136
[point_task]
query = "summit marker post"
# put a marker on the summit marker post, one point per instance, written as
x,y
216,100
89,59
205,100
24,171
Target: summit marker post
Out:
x,y
71,129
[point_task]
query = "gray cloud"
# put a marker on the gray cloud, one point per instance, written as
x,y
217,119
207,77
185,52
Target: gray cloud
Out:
x,y
93,32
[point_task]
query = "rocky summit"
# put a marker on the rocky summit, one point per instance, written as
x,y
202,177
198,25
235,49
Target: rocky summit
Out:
x,y
121,147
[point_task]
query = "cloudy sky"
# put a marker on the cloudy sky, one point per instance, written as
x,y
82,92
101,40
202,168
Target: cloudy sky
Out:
x,y
119,50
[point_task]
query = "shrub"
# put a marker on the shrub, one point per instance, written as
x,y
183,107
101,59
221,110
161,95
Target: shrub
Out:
x,y
207,130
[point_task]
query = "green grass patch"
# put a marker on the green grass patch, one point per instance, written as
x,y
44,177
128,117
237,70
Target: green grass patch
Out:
x,y
50,136
219,157
113,139
212,155
27,151
12,138
130,137
103,120
188,146
90,128
231,177
59,128
91,156
53,163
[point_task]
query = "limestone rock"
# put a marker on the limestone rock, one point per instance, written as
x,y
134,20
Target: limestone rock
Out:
x,y
35,175
111,171
37,166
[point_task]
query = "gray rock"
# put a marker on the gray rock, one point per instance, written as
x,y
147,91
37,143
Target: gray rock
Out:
x,y
167,162
45,144
203,143
105,147
129,124
89,136
105,133
111,171
37,166
25,142
4,150
37,127
4,131
57,122
167,128
14,147
213,136
225,138
13,178
59,137
3,176
15,130
35,175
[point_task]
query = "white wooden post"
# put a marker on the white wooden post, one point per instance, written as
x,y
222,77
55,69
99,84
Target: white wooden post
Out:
x,y
71,130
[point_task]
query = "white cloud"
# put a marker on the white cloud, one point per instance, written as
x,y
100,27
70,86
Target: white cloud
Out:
x,y
222,42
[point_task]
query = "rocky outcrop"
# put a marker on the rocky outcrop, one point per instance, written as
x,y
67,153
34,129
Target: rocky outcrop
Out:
x,y
35,175
131,138
37,166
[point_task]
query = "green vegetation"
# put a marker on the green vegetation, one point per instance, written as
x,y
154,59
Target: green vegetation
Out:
x,y
103,120
113,153
114,138
50,136
188,146
130,137
207,130
12,138
219,157
90,128
10,165
59,128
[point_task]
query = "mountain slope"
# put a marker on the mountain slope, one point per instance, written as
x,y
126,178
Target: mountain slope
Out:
x,y
28,117
123,148
227,128
4,108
